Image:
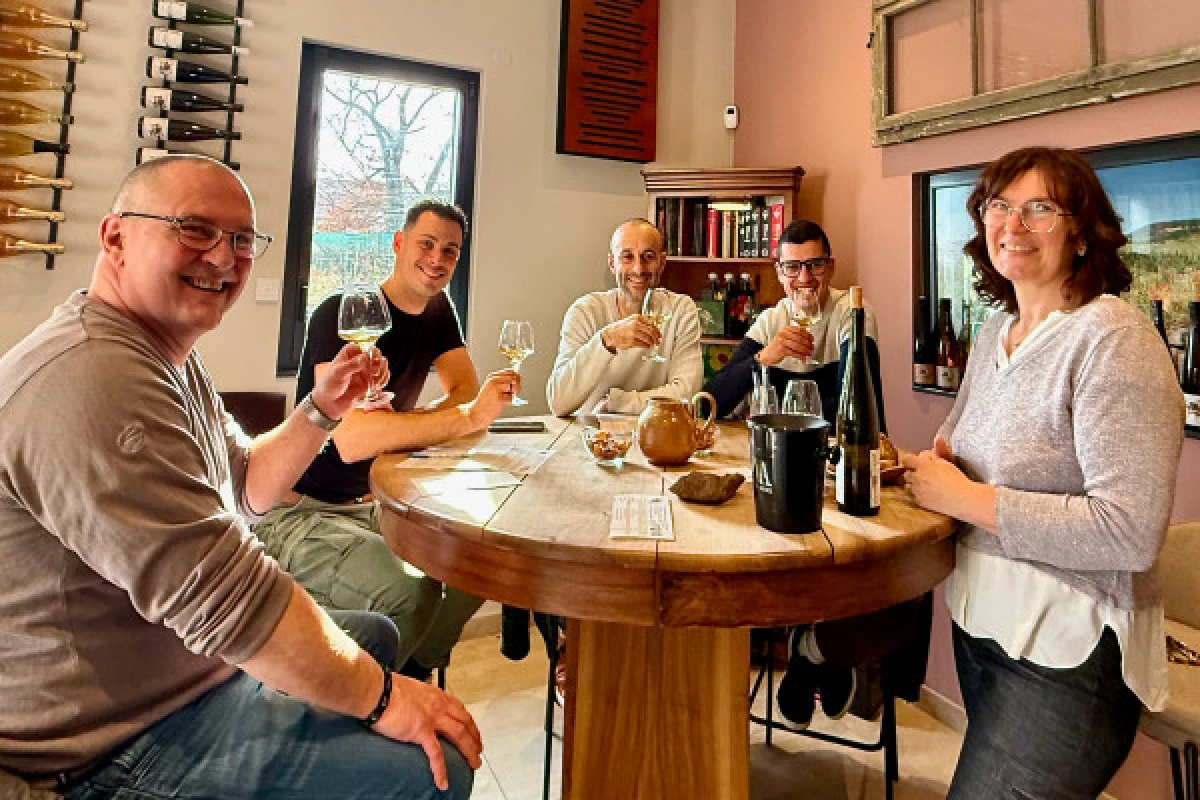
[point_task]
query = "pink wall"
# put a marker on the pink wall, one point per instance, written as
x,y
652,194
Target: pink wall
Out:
x,y
802,78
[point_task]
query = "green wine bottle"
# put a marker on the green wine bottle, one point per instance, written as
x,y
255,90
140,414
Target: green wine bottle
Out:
x,y
196,14
858,423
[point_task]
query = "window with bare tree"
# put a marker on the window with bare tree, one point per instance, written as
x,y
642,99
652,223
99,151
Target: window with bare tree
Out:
x,y
374,135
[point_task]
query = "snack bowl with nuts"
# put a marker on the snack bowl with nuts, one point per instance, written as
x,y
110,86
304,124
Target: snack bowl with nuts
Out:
x,y
608,437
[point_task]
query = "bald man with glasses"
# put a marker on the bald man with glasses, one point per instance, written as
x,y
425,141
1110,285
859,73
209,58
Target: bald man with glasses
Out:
x,y
791,351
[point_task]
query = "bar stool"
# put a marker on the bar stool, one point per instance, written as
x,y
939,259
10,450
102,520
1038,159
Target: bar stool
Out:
x,y
1178,725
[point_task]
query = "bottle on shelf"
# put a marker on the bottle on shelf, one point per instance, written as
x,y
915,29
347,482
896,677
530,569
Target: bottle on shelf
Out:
x,y
18,144
188,42
178,130
733,304
156,97
12,246
710,292
14,178
746,301
196,14
13,212
16,112
924,347
176,71
145,154
26,48
949,362
25,15
857,481
19,79
1190,378
964,334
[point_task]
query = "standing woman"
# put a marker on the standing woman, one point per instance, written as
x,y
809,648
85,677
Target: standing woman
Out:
x,y
1060,457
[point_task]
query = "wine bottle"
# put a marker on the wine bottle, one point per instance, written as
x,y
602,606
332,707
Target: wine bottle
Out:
x,y
13,212
172,69
15,112
18,144
1159,318
188,42
1190,379
748,302
710,292
19,79
12,246
949,362
196,14
178,130
23,15
16,178
145,154
182,100
732,302
964,335
26,48
857,486
924,347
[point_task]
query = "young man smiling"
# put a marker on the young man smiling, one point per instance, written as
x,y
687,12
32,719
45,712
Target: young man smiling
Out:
x,y
326,532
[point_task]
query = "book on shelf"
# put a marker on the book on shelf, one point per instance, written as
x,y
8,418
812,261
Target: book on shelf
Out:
x,y
699,217
672,222
777,223
712,233
727,234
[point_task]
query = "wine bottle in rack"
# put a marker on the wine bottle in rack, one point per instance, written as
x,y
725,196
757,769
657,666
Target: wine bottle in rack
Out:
x,y
15,212
26,48
24,15
145,154
12,246
196,14
178,130
16,112
949,360
924,347
19,79
1190,377
156,97
176,71
18,144
194,43
14,178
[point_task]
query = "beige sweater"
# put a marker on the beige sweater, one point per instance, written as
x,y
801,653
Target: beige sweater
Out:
x,y
131,582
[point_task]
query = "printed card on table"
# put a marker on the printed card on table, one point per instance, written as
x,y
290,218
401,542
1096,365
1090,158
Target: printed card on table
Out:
x,y
641,516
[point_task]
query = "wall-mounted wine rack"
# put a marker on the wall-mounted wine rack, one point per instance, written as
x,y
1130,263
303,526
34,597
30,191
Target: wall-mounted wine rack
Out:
x,y
154,98
24,20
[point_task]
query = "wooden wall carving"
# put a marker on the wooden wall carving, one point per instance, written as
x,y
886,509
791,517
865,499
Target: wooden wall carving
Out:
x,y
608,79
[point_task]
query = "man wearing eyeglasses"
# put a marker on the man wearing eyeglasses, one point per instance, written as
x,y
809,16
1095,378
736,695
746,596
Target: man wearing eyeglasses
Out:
x,y
793,351
602,362
138,615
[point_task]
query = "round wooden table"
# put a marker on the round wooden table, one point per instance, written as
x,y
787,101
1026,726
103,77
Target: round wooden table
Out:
x,y
659,632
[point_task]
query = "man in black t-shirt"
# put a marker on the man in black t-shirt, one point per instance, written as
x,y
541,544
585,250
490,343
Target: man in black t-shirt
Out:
x,y
327,532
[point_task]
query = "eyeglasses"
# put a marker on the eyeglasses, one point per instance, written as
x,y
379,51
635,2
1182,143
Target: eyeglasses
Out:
x,y
199,234
1038,216
815,266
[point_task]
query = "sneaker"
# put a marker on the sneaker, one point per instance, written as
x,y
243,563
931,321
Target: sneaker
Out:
x,y
796,691
560,684
836,686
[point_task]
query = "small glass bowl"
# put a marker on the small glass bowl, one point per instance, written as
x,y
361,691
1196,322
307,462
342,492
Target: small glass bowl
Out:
x,y
706,441
607,438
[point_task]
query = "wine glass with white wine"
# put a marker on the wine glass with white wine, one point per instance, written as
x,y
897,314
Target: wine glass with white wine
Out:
x,y
362,318
516,344
805,311
655,309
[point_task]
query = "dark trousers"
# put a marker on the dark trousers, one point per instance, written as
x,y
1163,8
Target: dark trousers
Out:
x,y
1038,733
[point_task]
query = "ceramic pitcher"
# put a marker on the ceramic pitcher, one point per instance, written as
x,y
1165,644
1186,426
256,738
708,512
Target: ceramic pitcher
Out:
x,y
667,429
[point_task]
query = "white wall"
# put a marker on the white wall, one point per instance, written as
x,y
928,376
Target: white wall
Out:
x,y
541,221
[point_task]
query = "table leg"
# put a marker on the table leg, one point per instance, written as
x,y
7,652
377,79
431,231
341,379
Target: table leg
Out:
x,y
656,713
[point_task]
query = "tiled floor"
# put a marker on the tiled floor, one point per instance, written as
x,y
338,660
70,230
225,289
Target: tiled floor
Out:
x,y
507,700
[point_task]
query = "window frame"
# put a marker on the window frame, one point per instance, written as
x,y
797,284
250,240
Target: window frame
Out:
x,y
315,59
925,279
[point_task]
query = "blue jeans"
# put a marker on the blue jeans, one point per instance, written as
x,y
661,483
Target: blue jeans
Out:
x,y
245,740
1037,733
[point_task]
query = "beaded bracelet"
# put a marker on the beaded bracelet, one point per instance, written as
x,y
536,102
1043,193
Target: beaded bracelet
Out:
x,y
384,697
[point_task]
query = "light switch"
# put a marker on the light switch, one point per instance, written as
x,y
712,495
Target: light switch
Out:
x,y
266,290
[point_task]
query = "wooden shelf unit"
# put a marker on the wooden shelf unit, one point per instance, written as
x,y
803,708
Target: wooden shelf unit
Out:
x,y
689,274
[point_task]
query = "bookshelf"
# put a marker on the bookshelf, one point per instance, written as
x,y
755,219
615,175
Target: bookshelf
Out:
x,y
689,261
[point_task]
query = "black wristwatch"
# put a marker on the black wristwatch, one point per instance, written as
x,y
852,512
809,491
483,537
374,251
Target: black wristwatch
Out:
x,y
385,697
316,416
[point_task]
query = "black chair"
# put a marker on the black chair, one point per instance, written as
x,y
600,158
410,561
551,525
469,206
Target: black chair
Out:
x,y
887,728
256,412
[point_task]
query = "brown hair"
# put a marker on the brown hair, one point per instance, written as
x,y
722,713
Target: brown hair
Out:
x,y
1094,225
